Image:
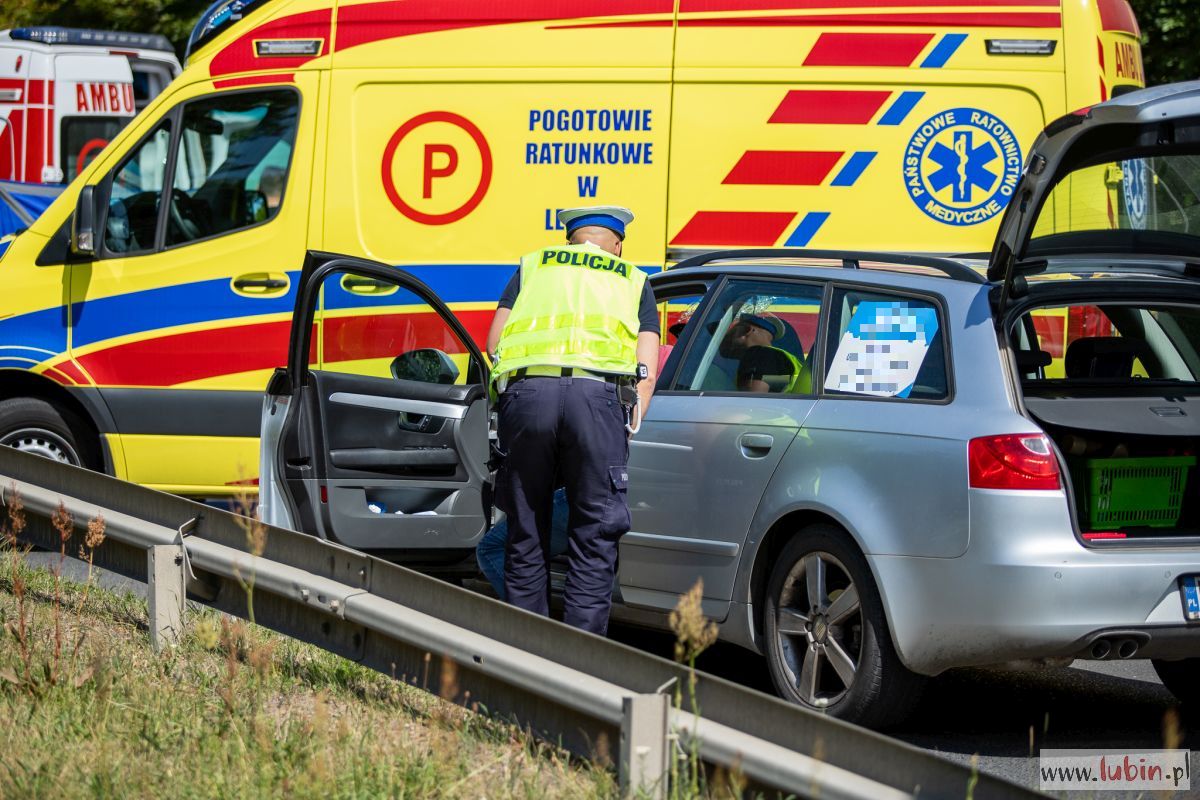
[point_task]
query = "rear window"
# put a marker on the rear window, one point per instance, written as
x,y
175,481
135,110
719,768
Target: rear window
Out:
x,y
1121,344
1149,203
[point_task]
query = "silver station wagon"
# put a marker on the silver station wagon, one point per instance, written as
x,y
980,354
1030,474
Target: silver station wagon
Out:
x,y
882,466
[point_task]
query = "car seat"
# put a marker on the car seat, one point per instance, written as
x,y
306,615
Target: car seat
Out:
x,y
1102,357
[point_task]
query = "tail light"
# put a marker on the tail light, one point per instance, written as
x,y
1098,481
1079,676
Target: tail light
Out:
x,y
1012,461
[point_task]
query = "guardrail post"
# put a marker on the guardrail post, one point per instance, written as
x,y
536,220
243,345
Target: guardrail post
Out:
x,y
644,747
164,568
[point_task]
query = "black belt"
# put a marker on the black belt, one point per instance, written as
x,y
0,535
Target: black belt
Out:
x,y
565,372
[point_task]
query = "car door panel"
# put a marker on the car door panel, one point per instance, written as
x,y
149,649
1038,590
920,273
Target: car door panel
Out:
x,y
701,461
693,492
384,463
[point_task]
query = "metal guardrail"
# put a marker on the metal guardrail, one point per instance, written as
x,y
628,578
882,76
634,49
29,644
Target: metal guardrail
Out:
x,y
596,697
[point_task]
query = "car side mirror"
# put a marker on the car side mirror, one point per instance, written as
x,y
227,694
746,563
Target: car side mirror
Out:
x,y
83,224
426,365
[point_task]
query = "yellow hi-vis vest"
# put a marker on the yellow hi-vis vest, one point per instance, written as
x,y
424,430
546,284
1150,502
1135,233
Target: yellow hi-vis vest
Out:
x,y
577,307
801,381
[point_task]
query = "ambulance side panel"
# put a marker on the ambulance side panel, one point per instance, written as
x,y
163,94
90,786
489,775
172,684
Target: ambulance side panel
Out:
x,y
93,97
168,336
20,69
880,129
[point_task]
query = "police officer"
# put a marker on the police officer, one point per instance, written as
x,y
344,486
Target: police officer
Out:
x,y
575,325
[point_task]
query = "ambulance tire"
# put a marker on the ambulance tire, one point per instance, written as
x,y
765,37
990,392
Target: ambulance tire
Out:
x,y
1180,679
35,426
882,691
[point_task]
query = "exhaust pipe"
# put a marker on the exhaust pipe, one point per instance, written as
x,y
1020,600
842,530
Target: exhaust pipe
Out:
x,y
1127,648
1101,649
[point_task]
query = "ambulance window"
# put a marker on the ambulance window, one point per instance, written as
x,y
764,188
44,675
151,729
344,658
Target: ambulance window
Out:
x,y
756,337
373,328
82,140
136,189
232,163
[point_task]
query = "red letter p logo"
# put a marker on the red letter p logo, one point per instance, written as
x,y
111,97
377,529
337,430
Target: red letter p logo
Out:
x,y
443,171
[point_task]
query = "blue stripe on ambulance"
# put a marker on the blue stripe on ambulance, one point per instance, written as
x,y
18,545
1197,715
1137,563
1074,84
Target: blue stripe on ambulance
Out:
x,y
37,335
807,229
943,50
900,108
853,170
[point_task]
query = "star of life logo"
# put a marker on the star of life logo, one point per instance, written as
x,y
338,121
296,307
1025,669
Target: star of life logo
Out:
x,y
1134,190
962,165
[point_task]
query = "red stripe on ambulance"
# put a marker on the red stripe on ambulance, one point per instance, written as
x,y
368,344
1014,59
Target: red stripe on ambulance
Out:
x,y
689,6
939,19
964,19
740,228
258,346
829,107
240,56
1117,15
371,22
867,49
256,80
782,168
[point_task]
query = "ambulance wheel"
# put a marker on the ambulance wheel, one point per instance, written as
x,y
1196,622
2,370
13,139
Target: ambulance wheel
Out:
x,y
35,426
1180,679
827,642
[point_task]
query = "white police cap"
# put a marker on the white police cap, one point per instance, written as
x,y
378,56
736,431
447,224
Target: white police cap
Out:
x,y
615,218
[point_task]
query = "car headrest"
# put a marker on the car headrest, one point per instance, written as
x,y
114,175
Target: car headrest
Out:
x,y
1029,360
1102,357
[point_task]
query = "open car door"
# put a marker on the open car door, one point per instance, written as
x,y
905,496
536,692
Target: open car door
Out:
x,y
376,433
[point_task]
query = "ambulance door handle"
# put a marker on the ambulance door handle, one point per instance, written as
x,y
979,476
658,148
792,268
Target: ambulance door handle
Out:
x,y
756,445
259,284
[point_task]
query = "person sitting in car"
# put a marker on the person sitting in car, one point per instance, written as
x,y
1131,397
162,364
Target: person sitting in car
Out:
x,y
762,366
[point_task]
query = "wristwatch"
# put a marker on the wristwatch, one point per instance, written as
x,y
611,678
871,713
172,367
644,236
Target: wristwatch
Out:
x,y
643,372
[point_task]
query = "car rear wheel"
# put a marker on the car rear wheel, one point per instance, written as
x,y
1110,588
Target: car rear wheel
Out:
x,y
1180,678
35,426
827,642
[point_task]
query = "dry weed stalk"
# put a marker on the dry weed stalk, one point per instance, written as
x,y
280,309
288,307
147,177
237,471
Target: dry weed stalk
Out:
x,y
245,509
96,531
694,633
64,524
13,527
233,636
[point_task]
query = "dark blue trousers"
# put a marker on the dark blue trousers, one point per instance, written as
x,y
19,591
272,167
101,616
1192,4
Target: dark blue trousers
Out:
x,y
563,432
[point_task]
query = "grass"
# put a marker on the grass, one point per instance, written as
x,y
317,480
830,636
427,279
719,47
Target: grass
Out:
x,y
234,711
238,711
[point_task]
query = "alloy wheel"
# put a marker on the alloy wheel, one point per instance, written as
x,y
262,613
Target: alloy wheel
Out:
x,y
819,628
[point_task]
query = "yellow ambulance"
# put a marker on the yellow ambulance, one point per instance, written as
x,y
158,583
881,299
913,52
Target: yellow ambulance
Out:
x,y
142,313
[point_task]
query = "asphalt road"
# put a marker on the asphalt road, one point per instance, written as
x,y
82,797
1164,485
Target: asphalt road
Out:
x,y
994,713
1002,716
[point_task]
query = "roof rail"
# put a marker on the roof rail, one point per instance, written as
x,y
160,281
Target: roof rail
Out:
x,y
850,259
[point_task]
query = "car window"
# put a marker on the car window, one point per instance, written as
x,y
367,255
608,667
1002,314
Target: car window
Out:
x,y
756,337
375,328
232,163
132,221
885,346
1119,343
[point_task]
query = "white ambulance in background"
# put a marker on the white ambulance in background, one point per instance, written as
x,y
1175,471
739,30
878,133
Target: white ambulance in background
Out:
x,y
65,92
